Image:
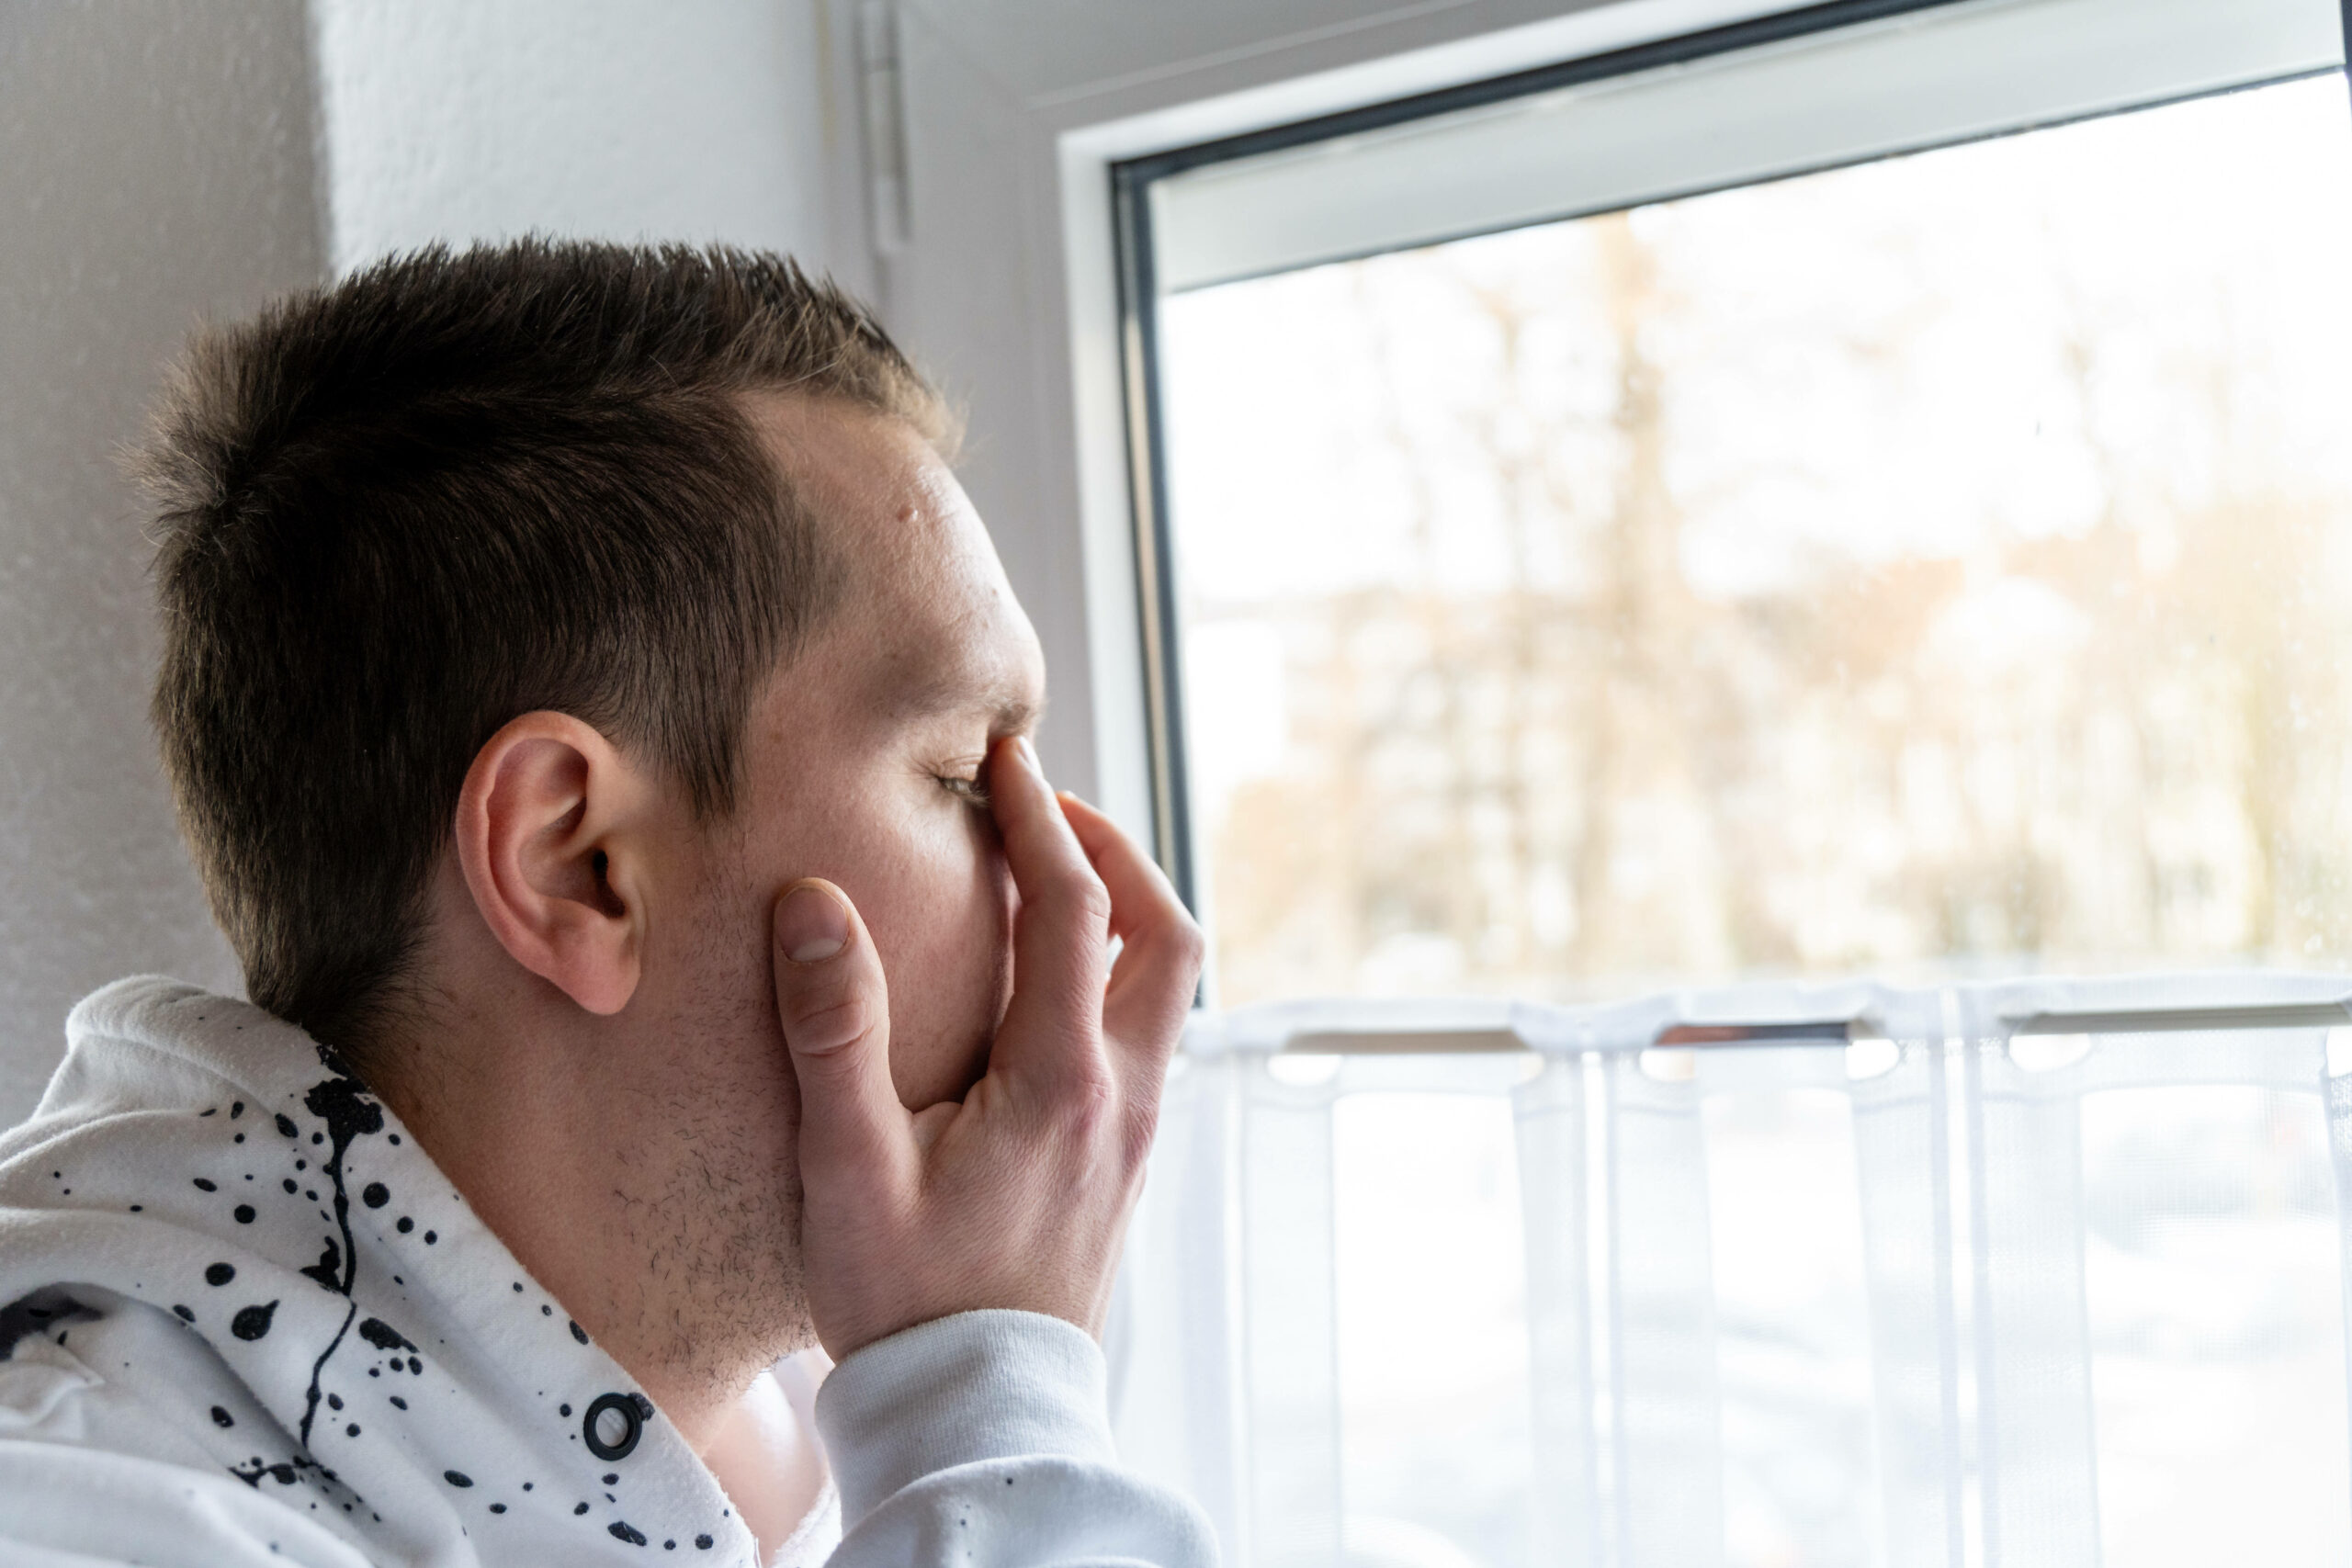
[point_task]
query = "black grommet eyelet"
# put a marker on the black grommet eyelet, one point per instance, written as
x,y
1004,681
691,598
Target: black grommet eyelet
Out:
x,y
632,1418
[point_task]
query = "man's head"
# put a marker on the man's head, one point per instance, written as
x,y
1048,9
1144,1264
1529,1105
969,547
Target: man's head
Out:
x,y
533,616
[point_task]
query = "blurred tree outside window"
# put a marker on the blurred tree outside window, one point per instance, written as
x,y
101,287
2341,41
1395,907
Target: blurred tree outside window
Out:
x,y
1938,566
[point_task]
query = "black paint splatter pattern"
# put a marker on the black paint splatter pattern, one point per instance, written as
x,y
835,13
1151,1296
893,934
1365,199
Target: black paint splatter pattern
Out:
x,y
341,1102
383,1336
344,1112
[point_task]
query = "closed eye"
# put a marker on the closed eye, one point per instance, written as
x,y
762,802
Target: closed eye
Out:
x,y
973,791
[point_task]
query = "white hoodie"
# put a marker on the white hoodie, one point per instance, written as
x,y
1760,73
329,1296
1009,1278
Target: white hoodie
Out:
x,y
245,1320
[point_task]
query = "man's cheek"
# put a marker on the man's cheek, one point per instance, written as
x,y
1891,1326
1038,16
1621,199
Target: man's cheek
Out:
x,y
955,1000
934,893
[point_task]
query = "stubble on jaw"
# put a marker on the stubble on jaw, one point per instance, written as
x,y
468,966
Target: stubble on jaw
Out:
x,y
710,1195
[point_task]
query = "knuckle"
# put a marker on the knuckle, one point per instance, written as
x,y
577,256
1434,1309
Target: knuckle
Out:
x,y
826,1023
1084,896
1190,943
1138,1129
1085,1107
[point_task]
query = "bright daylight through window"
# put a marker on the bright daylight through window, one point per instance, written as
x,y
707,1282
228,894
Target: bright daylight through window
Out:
x,y
1925,568
1932,565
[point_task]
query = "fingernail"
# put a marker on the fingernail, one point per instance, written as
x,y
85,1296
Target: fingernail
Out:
x,y
1029,755
812,926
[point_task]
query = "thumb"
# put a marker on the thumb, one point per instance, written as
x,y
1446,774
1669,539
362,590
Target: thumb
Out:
x,y
835,1009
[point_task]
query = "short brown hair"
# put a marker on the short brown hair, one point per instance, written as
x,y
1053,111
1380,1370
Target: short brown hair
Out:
x,y
400,510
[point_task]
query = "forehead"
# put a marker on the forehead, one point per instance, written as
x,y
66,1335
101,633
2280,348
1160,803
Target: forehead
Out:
x,y
928,620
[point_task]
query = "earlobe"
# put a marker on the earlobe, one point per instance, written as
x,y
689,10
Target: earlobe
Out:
x,y
547,835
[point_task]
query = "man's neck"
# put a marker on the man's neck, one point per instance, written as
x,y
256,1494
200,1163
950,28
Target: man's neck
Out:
x,y
671,1254
768,1461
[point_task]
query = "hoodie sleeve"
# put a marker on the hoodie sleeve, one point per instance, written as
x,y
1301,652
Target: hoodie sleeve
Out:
x,y
984,1440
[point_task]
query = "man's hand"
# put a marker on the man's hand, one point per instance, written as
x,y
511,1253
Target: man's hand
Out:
x,y
1018,1196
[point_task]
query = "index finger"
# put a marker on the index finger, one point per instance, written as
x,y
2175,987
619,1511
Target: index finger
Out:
x,y
1060,934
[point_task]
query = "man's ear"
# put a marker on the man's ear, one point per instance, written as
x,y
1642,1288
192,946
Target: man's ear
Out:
x,y
551,833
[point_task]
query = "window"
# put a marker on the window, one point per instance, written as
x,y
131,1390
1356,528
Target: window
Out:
x,y
1912,565
1864,493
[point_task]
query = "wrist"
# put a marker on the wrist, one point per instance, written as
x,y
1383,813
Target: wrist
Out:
x,y
962,1390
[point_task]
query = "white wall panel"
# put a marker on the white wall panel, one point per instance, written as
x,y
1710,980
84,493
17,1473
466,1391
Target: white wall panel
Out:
x,y
155,166
691,119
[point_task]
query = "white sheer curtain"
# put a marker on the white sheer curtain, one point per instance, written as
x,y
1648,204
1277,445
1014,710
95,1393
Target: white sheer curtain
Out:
x,y
2020,1274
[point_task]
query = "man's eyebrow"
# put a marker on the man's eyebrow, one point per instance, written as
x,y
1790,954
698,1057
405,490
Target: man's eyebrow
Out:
x,y
1015,713
1004,697
1022,716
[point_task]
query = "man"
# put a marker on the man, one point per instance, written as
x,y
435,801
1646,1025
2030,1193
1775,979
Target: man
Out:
x,y
602,725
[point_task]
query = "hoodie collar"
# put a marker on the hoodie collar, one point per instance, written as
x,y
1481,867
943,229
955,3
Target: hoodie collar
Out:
x,y
199,1155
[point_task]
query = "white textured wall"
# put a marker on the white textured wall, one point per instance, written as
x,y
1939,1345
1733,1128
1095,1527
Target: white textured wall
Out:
x,y
625,120
155,165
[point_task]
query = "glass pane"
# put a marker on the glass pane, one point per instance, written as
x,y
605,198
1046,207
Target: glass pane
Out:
x,y
1923,568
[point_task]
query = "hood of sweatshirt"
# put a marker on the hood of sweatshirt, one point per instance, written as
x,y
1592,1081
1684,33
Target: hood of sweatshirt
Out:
x,y
204,1168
